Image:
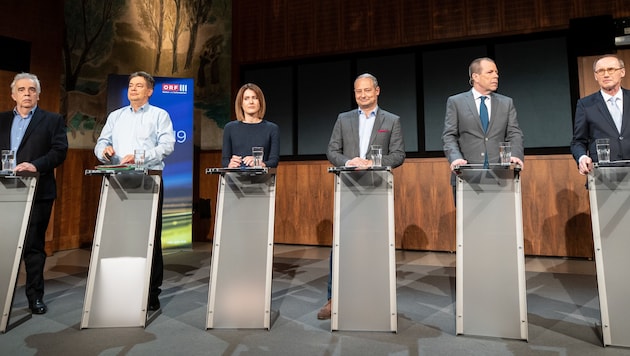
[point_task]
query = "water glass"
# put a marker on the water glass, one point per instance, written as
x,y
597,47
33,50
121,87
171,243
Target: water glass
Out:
x,y
138,158
505,152
376,154
603,150
8,160
258,153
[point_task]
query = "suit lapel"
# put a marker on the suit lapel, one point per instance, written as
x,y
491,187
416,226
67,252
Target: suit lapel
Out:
x,y
624,115
35,120
472,106
378,123
603,108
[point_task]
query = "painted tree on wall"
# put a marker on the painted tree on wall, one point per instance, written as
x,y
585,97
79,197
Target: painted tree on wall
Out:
x,y
199,12
175,19
152,17
89,36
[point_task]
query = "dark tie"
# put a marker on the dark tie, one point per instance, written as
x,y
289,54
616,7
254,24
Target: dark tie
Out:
x,y
483,114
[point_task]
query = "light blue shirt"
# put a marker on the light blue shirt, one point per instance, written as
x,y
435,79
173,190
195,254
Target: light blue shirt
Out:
x,y
150,128
366,124
18,128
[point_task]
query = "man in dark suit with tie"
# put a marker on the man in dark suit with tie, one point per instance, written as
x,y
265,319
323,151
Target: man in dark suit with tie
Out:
x,y
39,139
355,131
602,115
465,140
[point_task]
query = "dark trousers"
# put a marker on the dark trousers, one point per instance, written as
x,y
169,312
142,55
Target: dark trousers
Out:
x,y
157,266
34,249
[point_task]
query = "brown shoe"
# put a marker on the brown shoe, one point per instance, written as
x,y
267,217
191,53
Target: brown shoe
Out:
x,y
324,312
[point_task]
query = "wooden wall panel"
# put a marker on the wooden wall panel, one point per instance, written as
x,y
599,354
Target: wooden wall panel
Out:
x,y
555,205
417,21
449,19
519,15
77,200
328,26
482,17
386,20
275,25
357,21
301,23
555,13
556,210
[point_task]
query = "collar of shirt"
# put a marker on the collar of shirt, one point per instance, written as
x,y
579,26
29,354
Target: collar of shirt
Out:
x,y
372,113
28,116
477,95
143,108
618,95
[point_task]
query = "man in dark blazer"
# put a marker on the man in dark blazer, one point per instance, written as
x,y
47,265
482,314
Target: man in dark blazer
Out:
x,y
464,139
594,116
355,131
39,139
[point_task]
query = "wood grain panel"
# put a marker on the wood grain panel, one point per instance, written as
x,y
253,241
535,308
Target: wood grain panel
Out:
x,y
519,15
301,22
416,21
556,210
275,26
357,24
77,200
483,17
449,19
555,13
386,22
328,27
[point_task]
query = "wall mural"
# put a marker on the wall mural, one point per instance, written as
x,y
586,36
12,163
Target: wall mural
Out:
x,y
167,38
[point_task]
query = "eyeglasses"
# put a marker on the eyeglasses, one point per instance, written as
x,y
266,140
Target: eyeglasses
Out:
x,y
603,71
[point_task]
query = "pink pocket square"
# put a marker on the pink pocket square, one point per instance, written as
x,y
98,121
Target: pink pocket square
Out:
x,y
383,130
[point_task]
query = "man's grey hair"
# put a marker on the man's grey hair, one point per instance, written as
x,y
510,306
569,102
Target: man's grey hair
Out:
x,y
30,76
369,76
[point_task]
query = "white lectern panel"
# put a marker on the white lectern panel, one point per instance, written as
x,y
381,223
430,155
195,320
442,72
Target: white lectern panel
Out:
x,y
242,255
491,293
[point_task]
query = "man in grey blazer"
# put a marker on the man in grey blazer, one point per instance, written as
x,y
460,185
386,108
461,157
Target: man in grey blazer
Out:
x,y
594,115
355,131
464,139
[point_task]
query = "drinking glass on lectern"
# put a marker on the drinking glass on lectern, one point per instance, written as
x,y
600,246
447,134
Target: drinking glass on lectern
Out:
x,y
376,154
603,150
8,160
258,152
138,158
505,152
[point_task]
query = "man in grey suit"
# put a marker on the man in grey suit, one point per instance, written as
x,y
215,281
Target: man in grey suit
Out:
x,y
464,138
594,115
355,131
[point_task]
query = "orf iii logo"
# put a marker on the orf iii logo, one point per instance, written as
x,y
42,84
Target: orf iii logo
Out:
x,y
175,88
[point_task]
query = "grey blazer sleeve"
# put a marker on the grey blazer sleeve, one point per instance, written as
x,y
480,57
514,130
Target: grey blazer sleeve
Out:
x,y
344,140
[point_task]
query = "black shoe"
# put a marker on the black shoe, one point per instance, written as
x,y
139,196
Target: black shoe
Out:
x,y
154,305
38,307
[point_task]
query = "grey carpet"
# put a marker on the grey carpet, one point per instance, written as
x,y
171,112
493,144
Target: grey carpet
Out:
x,y
563,313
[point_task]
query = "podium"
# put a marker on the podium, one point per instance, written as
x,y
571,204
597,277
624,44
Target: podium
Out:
x,y
117,286
609,194
242,251
490,286
363,257
17,193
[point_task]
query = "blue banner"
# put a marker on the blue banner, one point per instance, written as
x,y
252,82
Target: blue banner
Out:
x,y
175,95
